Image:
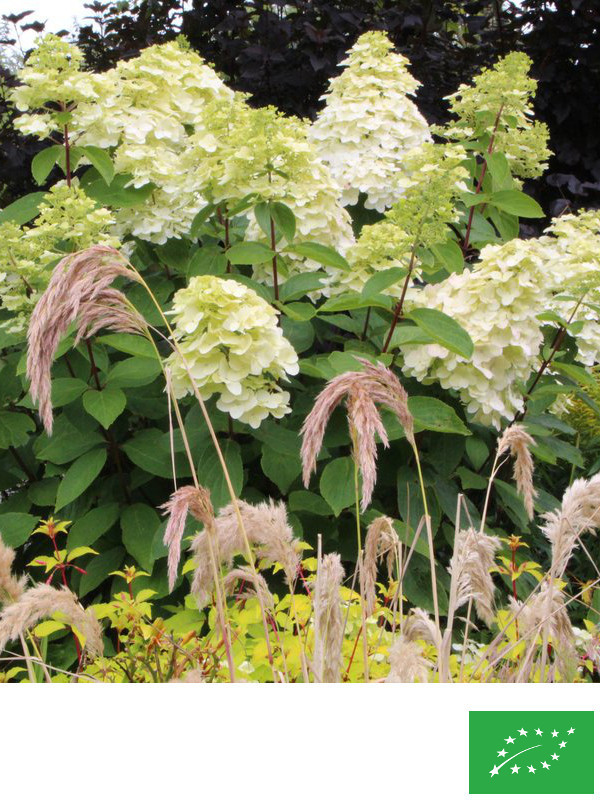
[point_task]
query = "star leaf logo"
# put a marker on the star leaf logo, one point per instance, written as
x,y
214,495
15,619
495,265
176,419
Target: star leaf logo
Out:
x,y
531,752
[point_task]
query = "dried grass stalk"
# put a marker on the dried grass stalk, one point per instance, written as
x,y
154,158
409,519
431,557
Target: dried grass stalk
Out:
x,y
257,586
470,566
186,500
328,620
518,441
363,391
407,664
43,601
11,588
579,513
79,290
267,529
381,541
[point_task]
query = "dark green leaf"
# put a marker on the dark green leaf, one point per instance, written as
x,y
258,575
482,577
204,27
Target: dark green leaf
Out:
x,y
382,280
433,415
14,429
43,163
89,528
16,528
105,406
281,469
201,217
249,253
450,255
23,210
134,372
284,220
139,523
81,474
518,203
337,484
102,162
211,475
320,253
443,330
99,567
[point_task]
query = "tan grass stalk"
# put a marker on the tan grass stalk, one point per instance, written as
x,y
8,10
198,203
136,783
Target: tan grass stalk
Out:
x,y
267,529
79,290
328,620
516,439
407,664
376,384
381,541
579,513
43,601
11,588
185,500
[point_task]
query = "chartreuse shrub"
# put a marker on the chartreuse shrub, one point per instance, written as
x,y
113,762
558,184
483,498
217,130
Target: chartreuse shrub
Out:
x,y
196,320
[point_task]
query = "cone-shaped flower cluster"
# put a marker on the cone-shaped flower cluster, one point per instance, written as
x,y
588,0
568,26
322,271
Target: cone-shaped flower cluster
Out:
x,y
369,122
229,340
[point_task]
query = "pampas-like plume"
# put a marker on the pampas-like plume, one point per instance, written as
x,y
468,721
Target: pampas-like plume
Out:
x,y
329,621
417,625
470,566
254,580
192,676
79,290
42,601
363,390
578,514
546,612
382,540
516,439
407,664
183,501
267,529
11,588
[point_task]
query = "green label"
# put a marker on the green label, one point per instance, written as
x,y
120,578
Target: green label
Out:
x,y
531,752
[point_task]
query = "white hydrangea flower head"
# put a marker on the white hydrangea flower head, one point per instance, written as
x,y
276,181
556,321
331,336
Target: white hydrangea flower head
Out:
x,y
52,77
146,111
497,304
369,123
574,265
68,221
381,246
499,103
238,151
233,347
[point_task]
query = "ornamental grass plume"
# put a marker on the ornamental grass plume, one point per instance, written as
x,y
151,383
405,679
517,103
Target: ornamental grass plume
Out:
x,y
516,439
407,664
328,620
257,586
363,390
470,566
267,528
78,291
579,513
11,588
44,601
186,500
545,615
417,625
381,541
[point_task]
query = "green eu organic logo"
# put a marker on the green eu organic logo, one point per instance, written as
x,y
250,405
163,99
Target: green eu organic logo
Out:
x,y
531,752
